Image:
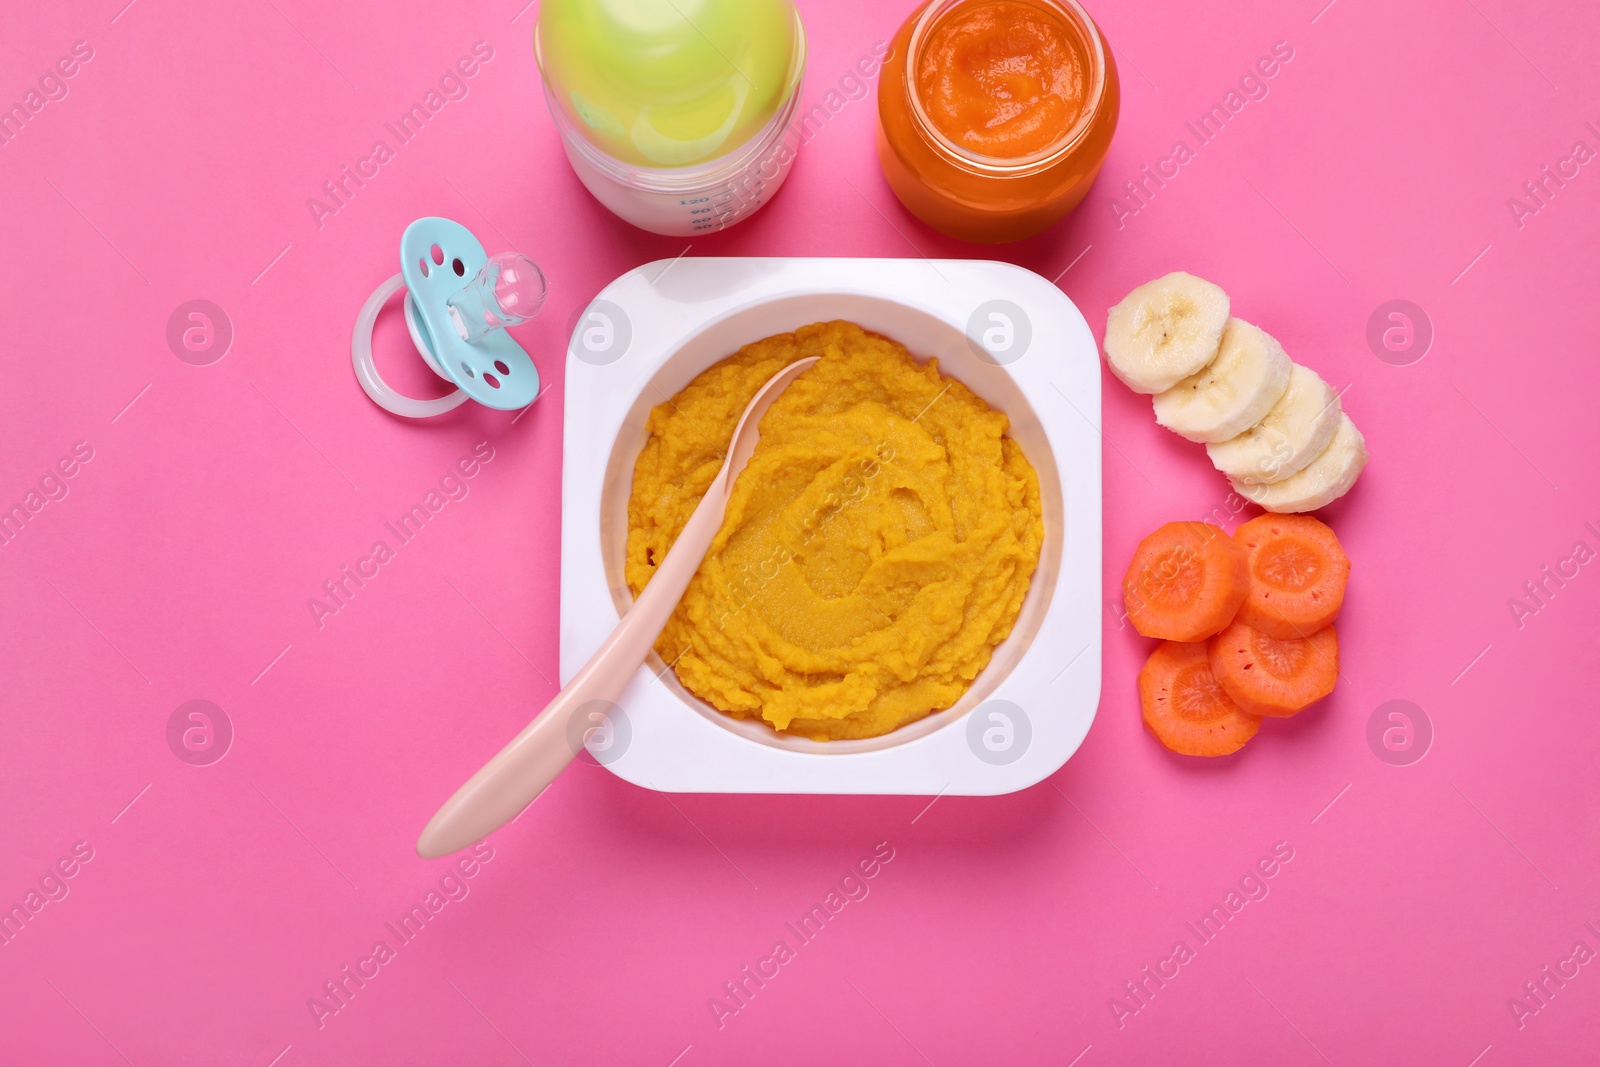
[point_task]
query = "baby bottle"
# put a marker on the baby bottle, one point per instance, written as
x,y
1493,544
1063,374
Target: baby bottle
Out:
x,y
673,112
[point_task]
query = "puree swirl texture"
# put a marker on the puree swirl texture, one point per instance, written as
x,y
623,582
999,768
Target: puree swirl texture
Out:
x,y
875,550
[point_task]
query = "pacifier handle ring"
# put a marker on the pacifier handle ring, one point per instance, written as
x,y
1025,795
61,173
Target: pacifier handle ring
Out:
x,y
367,370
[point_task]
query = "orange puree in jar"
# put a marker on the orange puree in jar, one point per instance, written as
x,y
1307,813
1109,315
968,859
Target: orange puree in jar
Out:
x,y
994,116
1003,79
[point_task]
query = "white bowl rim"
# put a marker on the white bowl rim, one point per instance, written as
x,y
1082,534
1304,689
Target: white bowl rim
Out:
x,y
674,751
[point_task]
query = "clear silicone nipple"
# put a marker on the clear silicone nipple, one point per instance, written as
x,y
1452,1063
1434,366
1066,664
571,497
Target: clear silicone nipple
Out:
x,y
508,290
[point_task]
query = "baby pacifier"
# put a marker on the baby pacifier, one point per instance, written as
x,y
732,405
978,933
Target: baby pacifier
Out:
x,y
459,300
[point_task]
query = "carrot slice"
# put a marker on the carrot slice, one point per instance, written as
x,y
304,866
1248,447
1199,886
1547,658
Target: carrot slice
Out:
x,y
1185,582
1298,572
1185,707
1268,676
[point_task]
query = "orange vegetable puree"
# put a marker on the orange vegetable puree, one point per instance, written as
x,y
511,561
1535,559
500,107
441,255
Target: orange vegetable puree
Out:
x,y
1004,79
875,550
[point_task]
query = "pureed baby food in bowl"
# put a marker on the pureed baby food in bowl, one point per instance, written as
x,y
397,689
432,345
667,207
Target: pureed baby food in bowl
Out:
x,y
876,548
649,335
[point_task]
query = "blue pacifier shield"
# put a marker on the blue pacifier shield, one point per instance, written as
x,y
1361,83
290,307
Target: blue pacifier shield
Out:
x,y
438,258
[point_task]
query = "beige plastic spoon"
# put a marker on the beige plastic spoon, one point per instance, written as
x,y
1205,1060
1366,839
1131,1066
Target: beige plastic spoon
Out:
x,y
520,772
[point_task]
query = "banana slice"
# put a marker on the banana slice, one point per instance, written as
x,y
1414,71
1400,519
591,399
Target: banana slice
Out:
x,y
1164,331
1233,393
1324,480
1292,434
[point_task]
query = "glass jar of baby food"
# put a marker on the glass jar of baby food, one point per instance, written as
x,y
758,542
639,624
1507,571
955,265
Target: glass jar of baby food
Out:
x,y
673,112
994,116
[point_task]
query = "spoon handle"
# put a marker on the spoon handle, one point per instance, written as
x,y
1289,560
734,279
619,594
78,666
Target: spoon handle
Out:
x,y
520,772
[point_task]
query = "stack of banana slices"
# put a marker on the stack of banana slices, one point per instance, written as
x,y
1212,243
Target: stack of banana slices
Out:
x,y
1273,427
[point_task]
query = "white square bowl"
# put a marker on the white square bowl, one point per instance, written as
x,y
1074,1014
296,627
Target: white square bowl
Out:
x,y
655,328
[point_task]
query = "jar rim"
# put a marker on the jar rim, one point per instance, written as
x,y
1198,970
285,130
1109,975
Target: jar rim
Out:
x,y
1078,19
754,153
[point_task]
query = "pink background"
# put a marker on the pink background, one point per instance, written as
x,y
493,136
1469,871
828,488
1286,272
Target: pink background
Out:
x,y
220,898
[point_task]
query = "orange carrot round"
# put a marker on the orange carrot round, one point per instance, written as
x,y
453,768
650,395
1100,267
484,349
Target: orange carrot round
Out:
x,y
1185,582
1298,572
1268,676
1185,707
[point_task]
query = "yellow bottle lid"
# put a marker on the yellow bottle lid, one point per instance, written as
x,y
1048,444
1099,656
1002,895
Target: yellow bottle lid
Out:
x,y
669,83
